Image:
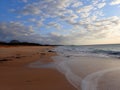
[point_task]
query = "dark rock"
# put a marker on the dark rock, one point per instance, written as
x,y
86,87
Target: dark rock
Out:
x,y
50,51
1,60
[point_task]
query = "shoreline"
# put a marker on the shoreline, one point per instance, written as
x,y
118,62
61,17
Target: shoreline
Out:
x,y
15,75
91,73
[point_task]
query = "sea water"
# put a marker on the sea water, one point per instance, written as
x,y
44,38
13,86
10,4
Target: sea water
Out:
x,y
90,50
74,63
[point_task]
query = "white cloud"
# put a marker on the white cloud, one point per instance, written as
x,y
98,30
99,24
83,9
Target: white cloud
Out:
x,y
95,2
14,30
39,23
17,31
85,9
30,9
115,2
100,31
85,21
55,25
101,5
60,9
97,32
77,4
32,20
84,15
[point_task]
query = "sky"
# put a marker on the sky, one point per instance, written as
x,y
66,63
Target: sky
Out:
x,y
65,22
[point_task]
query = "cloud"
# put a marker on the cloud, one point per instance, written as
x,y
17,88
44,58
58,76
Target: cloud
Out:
x,y
77,4
32,20
25,1
55,25
101,5
84,20
84,15
85,9
97,32
115,2
70,11
54,8
39,23
14,30
100,31
30,10
17,31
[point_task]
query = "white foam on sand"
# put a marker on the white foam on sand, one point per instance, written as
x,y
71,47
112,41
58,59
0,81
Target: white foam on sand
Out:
x,y
84,73
63,67
90,82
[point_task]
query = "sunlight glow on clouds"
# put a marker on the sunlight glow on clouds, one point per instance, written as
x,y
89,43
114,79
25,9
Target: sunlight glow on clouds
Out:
x,y
115,2
62,22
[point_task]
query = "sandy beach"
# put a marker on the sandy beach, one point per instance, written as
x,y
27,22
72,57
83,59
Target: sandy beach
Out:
x,y
16,75
29,68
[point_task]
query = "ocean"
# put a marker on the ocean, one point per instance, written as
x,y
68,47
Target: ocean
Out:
x,y
112,50
84,65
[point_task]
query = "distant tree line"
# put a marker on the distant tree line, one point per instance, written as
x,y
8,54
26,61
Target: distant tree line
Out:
x,y
17,42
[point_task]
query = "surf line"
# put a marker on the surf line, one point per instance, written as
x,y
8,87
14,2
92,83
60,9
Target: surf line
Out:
x,y
90,82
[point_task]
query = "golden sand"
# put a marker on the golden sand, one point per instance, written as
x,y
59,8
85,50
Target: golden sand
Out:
x,y
16,75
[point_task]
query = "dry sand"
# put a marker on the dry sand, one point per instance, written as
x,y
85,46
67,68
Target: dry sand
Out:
x,y
16,75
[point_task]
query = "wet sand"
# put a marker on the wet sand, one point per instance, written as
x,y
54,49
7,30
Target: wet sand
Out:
x,y
16,75
97,73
